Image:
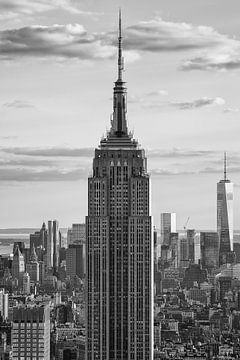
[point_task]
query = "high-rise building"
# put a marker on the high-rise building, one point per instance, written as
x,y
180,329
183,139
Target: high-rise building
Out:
x,y
168,226
32,266
183,252
31,332
75,260
209,245
56,245
191,244
174,245
39,241
119,275
18,265
50,245
3,304
26,284
225,216
77,234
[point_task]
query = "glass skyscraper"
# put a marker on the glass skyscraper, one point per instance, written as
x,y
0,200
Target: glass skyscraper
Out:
x,y
225,217
119,277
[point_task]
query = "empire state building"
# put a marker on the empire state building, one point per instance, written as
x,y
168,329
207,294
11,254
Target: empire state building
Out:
x,y
119,279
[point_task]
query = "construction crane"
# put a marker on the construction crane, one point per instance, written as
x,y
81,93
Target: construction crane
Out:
x,y
185,225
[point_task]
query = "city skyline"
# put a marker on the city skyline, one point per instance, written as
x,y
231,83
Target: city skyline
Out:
x,y
50,124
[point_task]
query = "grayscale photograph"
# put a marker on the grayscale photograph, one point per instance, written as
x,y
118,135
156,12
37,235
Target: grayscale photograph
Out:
x,y
119,180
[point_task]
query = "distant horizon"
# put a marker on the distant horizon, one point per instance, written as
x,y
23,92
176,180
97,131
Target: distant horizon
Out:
x,y
5,231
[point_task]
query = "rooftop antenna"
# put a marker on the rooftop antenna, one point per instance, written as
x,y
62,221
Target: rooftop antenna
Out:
x,y
225,166
120,58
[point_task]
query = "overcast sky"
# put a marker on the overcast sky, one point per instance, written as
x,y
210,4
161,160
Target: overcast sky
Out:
x,y
58,66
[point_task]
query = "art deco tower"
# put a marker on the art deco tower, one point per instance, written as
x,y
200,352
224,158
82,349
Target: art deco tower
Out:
x,y
225,216
119,277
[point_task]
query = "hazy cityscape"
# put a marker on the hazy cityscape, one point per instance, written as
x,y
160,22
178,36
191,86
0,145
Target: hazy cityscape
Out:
x,y
122,268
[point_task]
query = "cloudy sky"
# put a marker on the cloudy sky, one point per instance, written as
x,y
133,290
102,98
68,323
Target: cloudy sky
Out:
x,y
58,65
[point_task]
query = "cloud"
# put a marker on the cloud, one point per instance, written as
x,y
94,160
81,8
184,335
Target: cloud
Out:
x,y
211,50
18,104
207,170
26,162
215,51
231,110
179,153
159,35
144,98
226,57
157,93
13,8
23,175
213,170
50,152
199,103
164,172
59,41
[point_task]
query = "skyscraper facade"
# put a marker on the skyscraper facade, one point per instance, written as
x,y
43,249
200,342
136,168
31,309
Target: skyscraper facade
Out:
x,y
168,226
119,246
3,304
50,245
225,217
191,244
32,267
31,332
18,266
209,245
75,260
77,234
56,245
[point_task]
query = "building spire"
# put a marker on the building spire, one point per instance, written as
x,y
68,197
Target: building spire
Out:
x,y
119,120
120,57
225,166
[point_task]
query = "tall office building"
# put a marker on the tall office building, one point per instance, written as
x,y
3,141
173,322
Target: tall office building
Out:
x,y
56,245
32,266
119,275
209,245
39,241
3,304
225,217
26,284
168,226
31,332
191,244
183,253
76,234
50,245
18,265
75,260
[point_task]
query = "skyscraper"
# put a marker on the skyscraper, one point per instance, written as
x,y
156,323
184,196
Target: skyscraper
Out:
x,y
168,226
4,304
225,216
31,332
191,244
18,266
32,267
75,260
77,234
50,245
56,245
119,246
209,242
